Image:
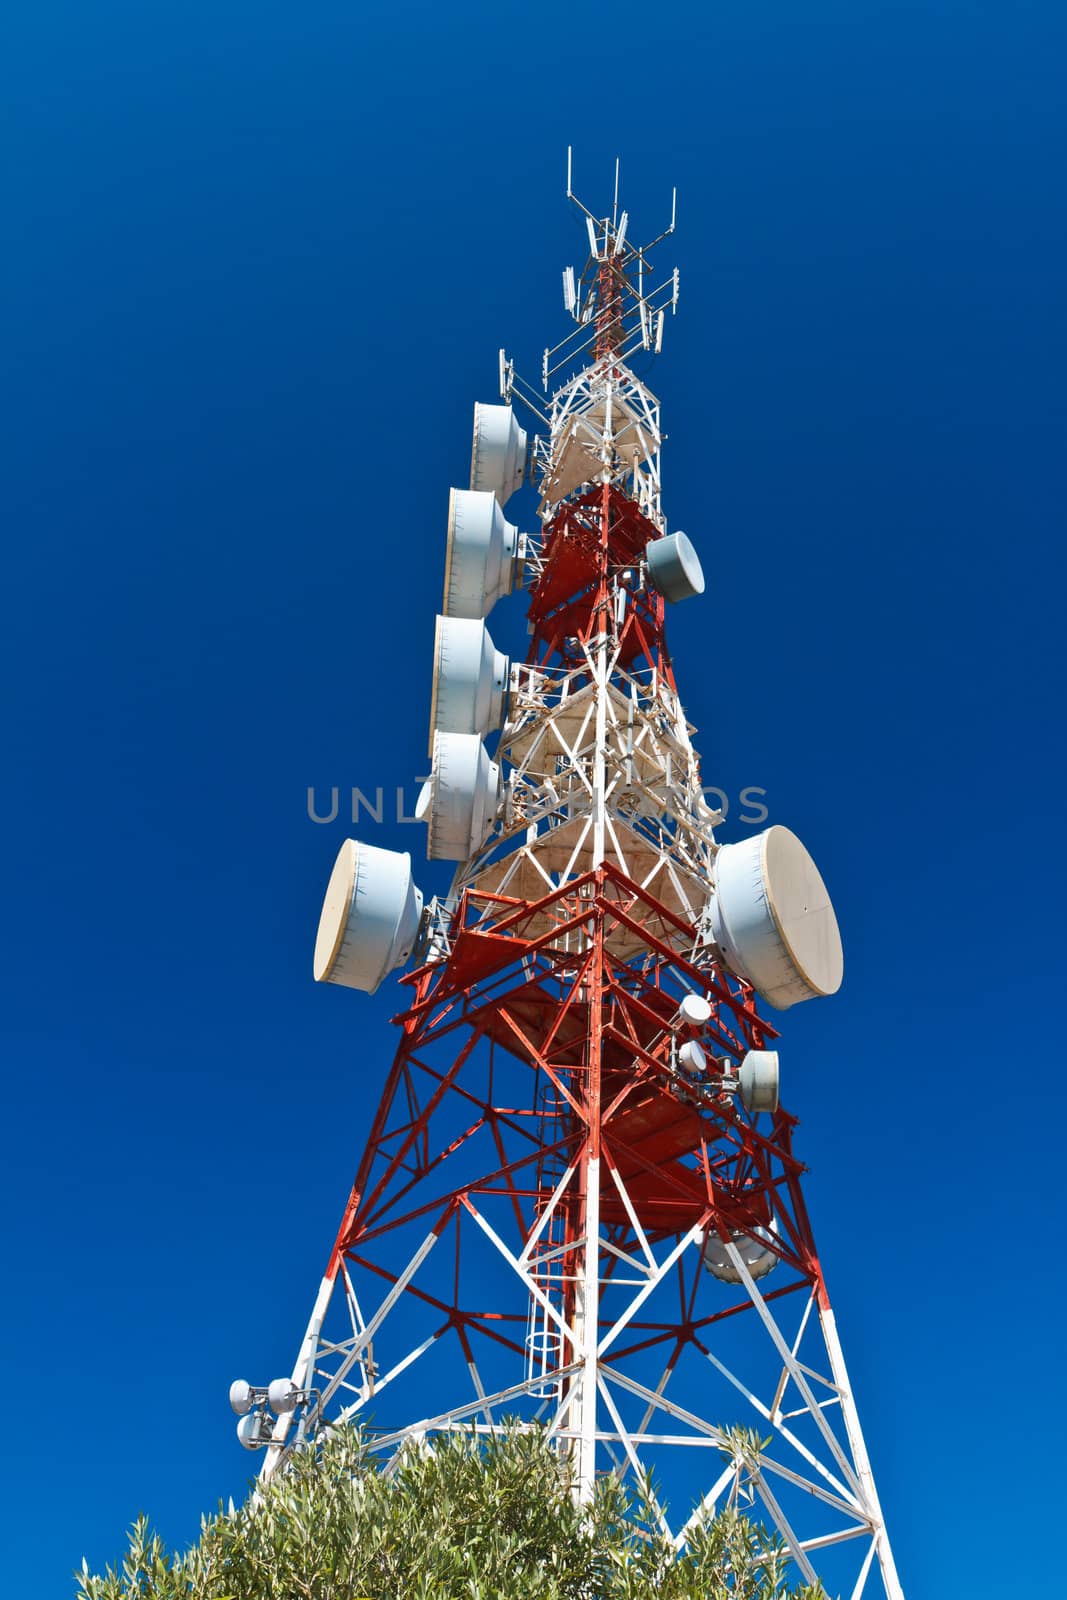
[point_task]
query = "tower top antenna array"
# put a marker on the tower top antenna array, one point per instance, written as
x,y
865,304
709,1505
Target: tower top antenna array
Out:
x,y
614,300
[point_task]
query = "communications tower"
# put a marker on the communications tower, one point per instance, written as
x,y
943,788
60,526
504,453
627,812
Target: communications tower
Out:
x,y
579,1205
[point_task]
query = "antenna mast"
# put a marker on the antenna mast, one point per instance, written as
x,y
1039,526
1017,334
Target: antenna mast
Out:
x,y
579,1204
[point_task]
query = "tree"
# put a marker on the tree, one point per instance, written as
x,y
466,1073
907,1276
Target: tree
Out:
x,y
462,1519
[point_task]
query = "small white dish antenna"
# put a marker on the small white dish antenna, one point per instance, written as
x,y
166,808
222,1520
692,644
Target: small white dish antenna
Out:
x,y
241,1397
674,567
248,1430
692,1059
470,679
693,1012
282,1395
465,794
757,1079
498,454
370,917
772,919
755,1252
483,557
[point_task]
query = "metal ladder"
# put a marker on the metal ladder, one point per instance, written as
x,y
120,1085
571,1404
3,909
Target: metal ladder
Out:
x,y
543,1338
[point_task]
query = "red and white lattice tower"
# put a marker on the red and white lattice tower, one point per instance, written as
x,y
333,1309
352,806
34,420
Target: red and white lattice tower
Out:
x,y
579,1204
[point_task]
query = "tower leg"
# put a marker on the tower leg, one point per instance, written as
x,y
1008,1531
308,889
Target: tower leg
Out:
x,y
303,1369
858,1446
590,1327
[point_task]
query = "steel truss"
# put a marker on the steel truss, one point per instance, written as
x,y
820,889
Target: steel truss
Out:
x,y
545,1059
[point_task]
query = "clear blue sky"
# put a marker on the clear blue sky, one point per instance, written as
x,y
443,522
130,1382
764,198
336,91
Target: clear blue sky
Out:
x,y
256,264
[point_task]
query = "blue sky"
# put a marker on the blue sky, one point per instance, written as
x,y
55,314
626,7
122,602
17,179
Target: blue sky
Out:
x,y
257,262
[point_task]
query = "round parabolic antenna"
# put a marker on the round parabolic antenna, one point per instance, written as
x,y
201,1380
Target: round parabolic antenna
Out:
x,y
248,1430
755,1252
694,1010
758,1080
691,1058
481,559
465,793
241,1397
674,567
498,453
470,679
773,921
281,1395
370,917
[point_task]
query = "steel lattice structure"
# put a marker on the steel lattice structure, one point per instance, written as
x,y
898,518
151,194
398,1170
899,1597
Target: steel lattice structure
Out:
x,y
560,1215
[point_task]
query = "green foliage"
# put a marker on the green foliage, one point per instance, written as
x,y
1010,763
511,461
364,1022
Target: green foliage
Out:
x,y
463,1519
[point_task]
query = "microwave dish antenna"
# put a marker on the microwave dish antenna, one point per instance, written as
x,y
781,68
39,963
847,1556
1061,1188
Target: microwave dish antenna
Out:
x,y
470,679
483,554
462,798
773,920
498,452
370,917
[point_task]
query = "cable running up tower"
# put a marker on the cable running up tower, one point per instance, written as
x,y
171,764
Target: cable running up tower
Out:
x,y
579,1204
